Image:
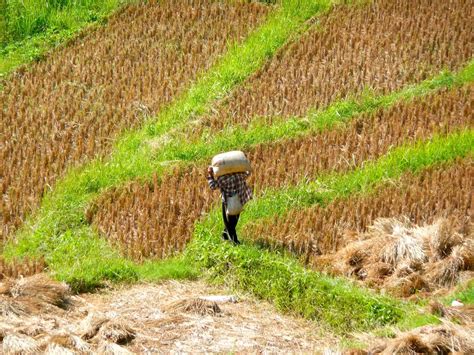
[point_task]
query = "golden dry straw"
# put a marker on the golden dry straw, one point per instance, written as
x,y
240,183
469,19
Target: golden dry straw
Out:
x,y
404,273
194,305
447,338
32,295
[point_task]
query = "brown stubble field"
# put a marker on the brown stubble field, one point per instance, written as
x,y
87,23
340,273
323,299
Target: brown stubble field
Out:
x,y
440,191
382,46
69,108
155,219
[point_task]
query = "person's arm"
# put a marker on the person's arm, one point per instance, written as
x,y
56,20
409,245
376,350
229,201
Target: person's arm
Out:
x,y
210,179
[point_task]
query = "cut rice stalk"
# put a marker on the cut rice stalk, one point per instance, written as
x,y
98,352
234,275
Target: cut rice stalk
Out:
x,y
194,305
43,289
20,344
107,348
117,331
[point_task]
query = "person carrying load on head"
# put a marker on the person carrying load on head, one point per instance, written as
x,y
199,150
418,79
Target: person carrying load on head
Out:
x,y
229,172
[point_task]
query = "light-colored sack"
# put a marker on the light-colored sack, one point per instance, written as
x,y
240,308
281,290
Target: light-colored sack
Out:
x,y
233,205
229,163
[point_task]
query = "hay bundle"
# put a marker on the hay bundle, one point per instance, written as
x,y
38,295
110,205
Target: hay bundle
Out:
x,y
446,271
107,348
466,252
20,344
389,226
462,315
194,305
55,349
353,257
408,344
69,341
91,325
117,331
406,286
5,287
403,258
407,267
442,339
11,308
42,290
378,271
403,248
443,239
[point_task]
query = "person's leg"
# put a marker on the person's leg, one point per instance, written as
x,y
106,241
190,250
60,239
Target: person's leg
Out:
x,y
225,233
232,223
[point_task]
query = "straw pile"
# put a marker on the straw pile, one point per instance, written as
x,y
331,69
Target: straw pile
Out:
x,y
194,305
399,257
32,295
443,339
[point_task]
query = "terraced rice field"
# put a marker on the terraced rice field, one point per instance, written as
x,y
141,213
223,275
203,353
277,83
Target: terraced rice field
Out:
x,y
153,219
441,191
341,109
68,108
381,46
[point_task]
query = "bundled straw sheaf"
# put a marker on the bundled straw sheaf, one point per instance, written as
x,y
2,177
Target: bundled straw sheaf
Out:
x,y
69,107
447,338
194,305
156,219
398,256
98,327
32,295
347,52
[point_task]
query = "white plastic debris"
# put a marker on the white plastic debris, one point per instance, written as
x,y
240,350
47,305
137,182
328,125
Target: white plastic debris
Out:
x,y
220,299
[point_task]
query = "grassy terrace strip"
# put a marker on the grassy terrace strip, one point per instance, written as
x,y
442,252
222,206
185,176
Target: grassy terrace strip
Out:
x,y
338,304
30,29
62,212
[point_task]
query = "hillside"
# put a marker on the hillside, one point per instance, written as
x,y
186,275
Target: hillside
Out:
x,y
357,118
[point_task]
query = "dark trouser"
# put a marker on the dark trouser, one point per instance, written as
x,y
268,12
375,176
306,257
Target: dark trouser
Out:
x,y
230,223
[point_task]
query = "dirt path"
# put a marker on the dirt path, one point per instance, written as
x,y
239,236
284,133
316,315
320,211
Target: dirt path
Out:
x,y
244,326
37,315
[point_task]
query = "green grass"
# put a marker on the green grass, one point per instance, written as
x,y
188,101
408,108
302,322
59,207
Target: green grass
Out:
x,y
465,294
32,27
336,303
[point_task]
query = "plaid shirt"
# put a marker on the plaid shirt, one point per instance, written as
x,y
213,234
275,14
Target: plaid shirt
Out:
x,y
232,184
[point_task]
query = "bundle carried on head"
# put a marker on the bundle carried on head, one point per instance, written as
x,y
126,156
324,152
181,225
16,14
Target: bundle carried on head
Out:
x,y
230,163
